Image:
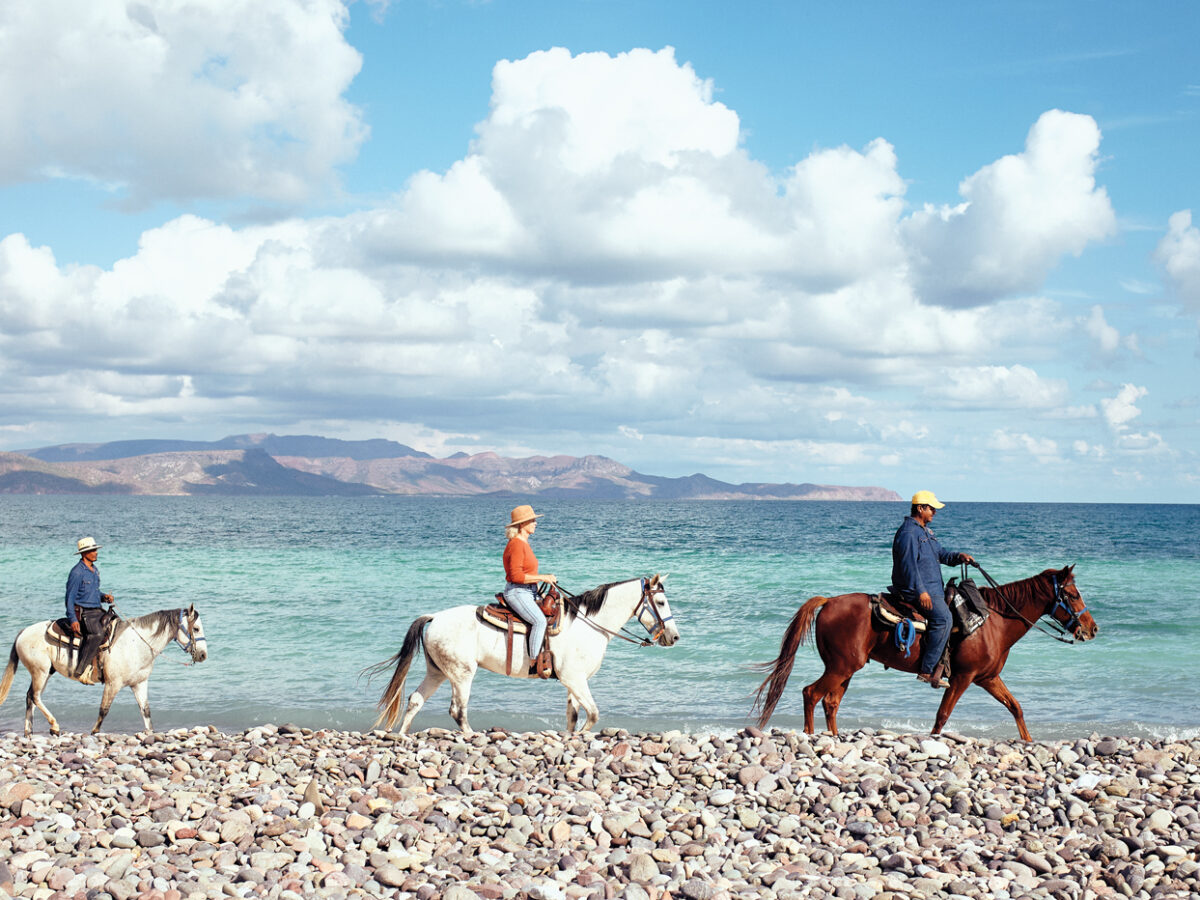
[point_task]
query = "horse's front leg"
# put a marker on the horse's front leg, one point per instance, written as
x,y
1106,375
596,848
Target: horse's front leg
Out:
x,y
572,712
1000,691
579,693
958,686
141,694
110,692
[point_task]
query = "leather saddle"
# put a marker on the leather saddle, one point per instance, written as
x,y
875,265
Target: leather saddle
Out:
x,y
503,617
888,610
906,621
59,634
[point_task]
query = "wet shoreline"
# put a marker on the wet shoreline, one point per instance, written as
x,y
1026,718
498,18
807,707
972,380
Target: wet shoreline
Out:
x,y
283,811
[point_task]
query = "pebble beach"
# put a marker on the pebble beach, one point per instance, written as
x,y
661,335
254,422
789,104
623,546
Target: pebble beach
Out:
x,y
283,811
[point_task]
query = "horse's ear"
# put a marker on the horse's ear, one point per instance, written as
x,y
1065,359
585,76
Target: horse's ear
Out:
x,y
1069,571
664,576
191,609
654,579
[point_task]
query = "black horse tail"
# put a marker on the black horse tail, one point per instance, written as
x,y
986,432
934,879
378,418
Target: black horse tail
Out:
x,y
6,684
389,703
779,669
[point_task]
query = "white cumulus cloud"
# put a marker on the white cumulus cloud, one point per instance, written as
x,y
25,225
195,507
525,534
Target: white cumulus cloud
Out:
x,y
1019,215
1179,254
171,99
1120,410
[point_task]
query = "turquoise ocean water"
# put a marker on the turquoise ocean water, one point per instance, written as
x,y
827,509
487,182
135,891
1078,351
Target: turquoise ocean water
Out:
x,y
300,594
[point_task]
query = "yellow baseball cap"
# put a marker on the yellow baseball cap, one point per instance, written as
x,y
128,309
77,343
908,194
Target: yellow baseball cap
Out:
x,y
926,498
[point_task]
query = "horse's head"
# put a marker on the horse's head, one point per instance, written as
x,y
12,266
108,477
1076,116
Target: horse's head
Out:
x,y
1069,610
654,612
190,634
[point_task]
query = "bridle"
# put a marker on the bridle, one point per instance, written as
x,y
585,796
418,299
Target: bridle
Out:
x,y
1062,605
187,627
645,603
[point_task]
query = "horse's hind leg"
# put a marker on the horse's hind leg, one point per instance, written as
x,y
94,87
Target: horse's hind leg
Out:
x,y
818,691
110,692
33,697
831,703
429,684
460,695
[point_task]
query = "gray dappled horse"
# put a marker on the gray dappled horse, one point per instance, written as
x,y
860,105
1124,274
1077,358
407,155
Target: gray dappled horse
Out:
x,y
128,661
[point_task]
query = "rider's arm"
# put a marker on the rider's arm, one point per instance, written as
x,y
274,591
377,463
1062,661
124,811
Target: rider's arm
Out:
x,y
904,552
953,557
74,583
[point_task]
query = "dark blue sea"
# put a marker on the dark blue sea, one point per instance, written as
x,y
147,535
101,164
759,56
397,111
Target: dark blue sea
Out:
x,y
298,595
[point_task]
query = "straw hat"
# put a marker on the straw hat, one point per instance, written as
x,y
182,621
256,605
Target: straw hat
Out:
x,y
926,498
86,545
521,515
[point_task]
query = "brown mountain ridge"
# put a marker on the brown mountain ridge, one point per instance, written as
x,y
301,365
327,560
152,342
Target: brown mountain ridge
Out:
x,y
265,465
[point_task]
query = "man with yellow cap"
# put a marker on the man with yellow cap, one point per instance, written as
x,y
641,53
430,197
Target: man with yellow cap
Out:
x,y
917,558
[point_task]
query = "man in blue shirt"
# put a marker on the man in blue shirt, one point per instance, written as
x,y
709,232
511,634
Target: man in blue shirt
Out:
x,y
84,600
917,558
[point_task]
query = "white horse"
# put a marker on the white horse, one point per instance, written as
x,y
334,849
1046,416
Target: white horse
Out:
x,y
128,660
457,644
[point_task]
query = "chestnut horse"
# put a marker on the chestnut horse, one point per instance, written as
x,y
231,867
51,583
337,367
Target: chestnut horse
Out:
x,y
847,639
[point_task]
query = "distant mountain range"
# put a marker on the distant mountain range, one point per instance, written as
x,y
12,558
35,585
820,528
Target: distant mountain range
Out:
x,y
304,465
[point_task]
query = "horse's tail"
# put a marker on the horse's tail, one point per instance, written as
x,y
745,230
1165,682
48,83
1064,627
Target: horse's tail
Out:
x,y
779,669
389,703
6,684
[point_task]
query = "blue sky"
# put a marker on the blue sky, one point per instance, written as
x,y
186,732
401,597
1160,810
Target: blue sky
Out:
x,y
918,245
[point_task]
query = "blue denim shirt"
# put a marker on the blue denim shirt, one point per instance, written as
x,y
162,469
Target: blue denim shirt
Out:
x,y
917,560
83,589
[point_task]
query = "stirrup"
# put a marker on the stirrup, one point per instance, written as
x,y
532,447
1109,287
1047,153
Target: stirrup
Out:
x,y
930,680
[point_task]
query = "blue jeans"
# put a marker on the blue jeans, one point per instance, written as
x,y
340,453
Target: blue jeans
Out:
x,y
523,599
937,631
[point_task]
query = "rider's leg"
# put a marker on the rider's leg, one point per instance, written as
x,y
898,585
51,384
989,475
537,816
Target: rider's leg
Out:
x,y
91,628
937,632
523,601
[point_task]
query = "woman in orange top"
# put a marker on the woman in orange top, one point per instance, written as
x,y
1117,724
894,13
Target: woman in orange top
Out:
x,y
521,573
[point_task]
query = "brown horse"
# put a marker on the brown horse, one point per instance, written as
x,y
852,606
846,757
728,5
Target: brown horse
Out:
x,y
847,638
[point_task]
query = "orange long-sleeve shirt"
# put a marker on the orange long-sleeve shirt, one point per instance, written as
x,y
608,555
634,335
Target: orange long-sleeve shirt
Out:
x,y
519,561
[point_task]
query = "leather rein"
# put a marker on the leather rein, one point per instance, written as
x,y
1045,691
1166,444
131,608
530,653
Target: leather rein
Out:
x,y
1060,602
646,602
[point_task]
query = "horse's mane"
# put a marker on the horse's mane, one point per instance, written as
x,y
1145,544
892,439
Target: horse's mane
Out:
x,y
589,602
1016,592
157,623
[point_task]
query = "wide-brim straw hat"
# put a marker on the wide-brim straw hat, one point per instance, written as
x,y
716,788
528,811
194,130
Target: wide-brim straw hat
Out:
x,y
521,515
86,545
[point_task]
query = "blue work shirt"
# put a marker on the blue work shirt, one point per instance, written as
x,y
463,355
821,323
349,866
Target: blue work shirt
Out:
x,y
917,560
83,589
